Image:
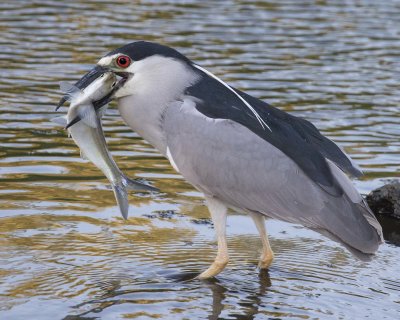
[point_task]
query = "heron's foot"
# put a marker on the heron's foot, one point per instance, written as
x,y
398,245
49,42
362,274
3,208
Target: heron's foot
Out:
x,y
216,267
266,259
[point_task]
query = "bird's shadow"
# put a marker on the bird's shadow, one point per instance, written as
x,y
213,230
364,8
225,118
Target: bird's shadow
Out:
x,y
251,301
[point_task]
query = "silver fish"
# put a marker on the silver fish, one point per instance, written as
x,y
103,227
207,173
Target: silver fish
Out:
x,y
89,136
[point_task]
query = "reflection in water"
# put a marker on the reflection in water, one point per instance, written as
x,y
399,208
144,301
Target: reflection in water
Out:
x,y
64,250
250,303
253,300
218,296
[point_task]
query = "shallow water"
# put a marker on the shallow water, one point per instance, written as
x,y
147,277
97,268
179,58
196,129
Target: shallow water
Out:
x,y
65,252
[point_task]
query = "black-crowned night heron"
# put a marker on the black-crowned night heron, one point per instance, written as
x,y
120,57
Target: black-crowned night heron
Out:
x,y
239,151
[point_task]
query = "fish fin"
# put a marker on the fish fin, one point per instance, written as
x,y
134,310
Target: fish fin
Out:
x,y
88,115
132,184
69,89
62,121
83,155
73,121
61,102
122,199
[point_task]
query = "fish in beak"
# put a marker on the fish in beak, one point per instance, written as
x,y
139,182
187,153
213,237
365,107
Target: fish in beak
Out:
x,y
83,122
100,98
84,82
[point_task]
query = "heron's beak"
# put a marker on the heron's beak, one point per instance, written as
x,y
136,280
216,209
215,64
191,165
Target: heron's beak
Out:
x,y
107,98
85,81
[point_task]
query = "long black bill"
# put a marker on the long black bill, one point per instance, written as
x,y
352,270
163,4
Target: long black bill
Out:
x,y
86,80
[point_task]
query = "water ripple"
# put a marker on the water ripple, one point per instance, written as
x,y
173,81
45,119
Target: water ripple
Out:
x,y
67,254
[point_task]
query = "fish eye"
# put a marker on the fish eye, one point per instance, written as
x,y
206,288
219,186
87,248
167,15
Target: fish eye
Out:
x,y
123,61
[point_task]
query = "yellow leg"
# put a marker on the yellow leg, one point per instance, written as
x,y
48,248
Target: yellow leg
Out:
x,y
267,255
218,213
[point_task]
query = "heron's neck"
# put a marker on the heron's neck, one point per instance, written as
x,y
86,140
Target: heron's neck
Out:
x,y
145,118
156,83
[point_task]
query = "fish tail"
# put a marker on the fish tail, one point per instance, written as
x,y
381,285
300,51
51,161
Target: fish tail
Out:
x,y
122,199
122,196
132,184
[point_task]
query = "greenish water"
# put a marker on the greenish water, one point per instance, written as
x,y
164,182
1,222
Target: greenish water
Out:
x,y
65,252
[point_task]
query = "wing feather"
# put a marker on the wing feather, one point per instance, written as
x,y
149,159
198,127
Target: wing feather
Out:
x,y
225,159
297,138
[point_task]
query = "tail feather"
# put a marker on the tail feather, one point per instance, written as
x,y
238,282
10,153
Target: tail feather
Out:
x,y
349,218
373,224
357,228
370,217
355,252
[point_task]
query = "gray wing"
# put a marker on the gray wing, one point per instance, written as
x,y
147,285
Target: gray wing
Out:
x,y
299,139
224,159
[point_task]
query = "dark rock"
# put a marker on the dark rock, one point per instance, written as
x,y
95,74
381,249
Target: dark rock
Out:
x,y
163,214
385,200
391,229
150,216
205,221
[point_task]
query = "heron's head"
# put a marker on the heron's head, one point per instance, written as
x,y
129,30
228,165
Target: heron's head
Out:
x,y
148,68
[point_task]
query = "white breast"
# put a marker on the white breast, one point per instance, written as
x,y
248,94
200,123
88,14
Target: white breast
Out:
x,y
156,83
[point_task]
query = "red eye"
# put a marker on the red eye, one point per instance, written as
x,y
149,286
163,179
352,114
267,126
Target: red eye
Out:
x,y
123,61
